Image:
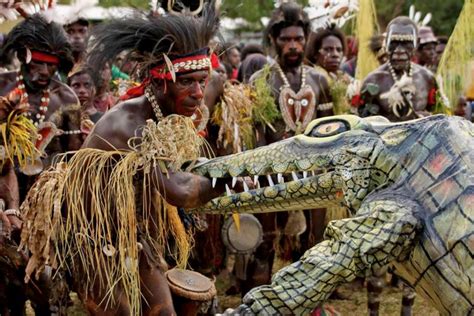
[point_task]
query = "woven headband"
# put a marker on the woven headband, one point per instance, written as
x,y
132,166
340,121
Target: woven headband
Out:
x,y
199,60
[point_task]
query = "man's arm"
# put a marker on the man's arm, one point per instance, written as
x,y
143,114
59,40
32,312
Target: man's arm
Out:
x,y
9,193
72,109
323,94
181,189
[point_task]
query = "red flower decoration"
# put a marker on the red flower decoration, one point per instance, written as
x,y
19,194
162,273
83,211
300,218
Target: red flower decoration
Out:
x,y
432,96
357,101
214,61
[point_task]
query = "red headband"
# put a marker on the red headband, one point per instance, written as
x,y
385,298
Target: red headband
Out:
x,y
44,57
180,65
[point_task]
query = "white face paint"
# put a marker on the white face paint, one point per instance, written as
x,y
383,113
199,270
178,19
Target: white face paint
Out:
x,y
401,43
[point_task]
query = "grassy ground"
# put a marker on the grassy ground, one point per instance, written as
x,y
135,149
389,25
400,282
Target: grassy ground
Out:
x,y
355,305
357,302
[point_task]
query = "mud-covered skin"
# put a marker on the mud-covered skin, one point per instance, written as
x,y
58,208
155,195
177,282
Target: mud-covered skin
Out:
x,y
410,187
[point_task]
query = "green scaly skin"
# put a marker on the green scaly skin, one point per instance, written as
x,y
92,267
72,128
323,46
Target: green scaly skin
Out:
x,y
410,189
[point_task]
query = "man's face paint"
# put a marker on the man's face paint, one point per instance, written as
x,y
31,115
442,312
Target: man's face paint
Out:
x,y
37,74
185,95
401,46
290,45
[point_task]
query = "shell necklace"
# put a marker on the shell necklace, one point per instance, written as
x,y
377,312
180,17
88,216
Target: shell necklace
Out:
x,y
297,109
154,104
43,108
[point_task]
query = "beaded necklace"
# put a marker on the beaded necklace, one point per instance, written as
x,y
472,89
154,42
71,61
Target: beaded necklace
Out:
x,y
154,104
43,108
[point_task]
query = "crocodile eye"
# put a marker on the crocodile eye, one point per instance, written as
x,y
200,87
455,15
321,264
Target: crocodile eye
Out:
x,y
326,129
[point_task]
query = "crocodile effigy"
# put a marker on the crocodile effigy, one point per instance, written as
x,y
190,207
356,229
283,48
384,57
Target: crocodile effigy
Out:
x,y
409,187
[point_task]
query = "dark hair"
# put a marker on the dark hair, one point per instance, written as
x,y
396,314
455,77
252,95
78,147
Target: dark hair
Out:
x,y
228,69
37,34
251,49
80,21
227,47
316,41
252,64
286,15
148,38
376,43
442,39
403,20
83,69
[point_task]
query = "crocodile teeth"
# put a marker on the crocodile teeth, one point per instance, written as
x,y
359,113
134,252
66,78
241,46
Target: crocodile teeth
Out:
x,y
270,181
214,180
305,174
255,180
313,173
234,181
227,189
246,187
280,178
295,177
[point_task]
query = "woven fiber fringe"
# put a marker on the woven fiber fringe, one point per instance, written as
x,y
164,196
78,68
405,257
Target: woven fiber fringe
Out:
x,y
366,26
17,138
233,115
454,73
101,223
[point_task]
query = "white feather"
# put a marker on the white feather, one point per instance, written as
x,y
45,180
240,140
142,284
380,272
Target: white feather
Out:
x,y
417,17
76,10
426,20
153,5
411,13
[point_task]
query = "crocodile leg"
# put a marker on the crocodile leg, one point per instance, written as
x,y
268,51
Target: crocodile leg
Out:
x,y
382,231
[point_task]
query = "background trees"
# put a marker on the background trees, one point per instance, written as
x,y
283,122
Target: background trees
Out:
x,y
445,12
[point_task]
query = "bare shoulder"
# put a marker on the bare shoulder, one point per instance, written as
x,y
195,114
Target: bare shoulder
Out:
x,y
316,76
377,76
379,73
423,72
118,125
64,92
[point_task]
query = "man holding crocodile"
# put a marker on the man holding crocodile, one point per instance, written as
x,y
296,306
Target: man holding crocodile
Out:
x,y
123,187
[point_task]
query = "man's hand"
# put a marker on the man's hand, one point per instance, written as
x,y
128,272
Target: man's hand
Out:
x,y
8,222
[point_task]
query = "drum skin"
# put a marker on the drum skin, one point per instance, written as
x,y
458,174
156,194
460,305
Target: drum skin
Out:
x,y
244,240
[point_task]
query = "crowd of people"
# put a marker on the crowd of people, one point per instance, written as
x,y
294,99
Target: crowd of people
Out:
x,y
104,92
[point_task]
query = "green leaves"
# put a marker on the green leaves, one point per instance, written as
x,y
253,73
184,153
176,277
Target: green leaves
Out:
x,y
372,88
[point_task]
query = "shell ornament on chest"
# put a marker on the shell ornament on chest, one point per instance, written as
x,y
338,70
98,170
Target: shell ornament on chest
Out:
x,y
297,109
